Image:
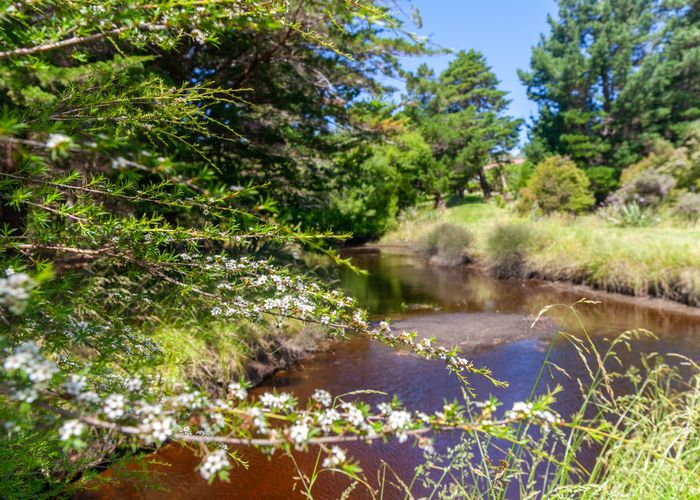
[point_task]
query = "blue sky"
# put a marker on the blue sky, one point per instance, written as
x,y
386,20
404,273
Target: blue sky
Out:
x,y
503,30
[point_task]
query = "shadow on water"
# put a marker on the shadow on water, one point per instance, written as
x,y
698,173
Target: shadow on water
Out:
x,y
490,318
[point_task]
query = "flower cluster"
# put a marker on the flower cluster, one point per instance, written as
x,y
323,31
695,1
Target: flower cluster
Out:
x,y
273,420
213,463
249,289
322,397
113,407
238,391
335,458
15,290
71,429
155,427
526,409
27,359
282,401
299,433
399,421
425,349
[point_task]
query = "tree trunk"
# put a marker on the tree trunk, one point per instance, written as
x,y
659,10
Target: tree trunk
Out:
x,y
504,182
484,183
439,202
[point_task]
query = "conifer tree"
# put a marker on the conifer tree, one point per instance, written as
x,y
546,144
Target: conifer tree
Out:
x,y
463,115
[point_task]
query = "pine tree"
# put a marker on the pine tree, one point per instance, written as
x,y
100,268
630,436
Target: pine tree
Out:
x,y
465,119
663,97
578,71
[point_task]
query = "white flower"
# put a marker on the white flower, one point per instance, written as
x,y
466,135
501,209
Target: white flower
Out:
x,y
213,463
327,419
74,385
424,417
134,384
279,401
258,419
150,410
322,397
520,409
399,420
355,416
486,406
27,357
159,429
71,428
336,457
299,433
358,319
114,406
198,36
191,400
384,408
57,140
238,390
548,417
15,290
217,421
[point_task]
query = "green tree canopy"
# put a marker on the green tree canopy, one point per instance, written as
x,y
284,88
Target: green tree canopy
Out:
x,y
610,75
463,115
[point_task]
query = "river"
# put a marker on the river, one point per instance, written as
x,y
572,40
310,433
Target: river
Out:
x,y
491,321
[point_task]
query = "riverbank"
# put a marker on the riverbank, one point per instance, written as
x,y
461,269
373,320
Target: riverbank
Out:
x,y
661,261
221,352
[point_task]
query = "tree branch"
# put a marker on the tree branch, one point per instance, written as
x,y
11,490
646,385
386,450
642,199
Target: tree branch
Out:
x,y
76,40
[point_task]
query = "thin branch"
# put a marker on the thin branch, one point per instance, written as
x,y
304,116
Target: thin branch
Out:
x,y
63,249
76,40
57,212
347,438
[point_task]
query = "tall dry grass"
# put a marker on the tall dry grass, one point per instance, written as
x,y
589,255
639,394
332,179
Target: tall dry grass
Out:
x,y
660,261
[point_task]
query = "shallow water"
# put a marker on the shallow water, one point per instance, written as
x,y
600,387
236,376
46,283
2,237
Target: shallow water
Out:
x,y
489,318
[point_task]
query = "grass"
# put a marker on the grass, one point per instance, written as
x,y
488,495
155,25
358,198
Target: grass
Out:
x,y
659,261
657,454
447,244
221,352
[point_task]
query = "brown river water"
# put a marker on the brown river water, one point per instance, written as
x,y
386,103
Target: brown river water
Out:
x,y
490,319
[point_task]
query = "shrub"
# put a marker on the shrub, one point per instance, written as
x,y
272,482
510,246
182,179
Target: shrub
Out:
x,y
603,181
630,215
557,185
648,189
688,206
447,244
507,247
